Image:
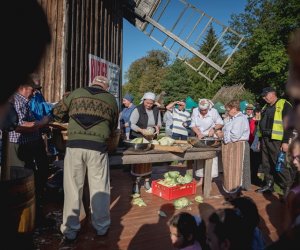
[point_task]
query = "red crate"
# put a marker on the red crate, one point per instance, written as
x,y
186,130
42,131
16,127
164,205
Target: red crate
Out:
x,y
171,193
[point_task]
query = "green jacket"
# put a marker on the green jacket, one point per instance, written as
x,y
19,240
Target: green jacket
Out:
x,y
92,114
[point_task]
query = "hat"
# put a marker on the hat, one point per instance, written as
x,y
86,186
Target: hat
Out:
x,y
266,90
128,97
220,107
204,104
149,95
250,106
100,80
30,82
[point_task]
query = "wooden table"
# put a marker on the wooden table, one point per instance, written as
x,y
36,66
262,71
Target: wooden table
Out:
x,y
122,157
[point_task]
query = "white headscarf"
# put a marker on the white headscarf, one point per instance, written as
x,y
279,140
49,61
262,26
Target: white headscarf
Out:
x,y
205,104
149,96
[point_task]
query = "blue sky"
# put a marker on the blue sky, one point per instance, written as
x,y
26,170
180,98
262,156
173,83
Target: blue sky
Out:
x,y
136,44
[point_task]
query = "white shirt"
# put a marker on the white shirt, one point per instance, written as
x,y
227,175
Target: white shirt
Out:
x,y
207,122
236,129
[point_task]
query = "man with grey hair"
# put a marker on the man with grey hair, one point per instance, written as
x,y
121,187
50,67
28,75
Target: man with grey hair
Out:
x,y
92,113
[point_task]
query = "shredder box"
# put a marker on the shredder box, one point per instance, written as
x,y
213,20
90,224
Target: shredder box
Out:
x,y
171,193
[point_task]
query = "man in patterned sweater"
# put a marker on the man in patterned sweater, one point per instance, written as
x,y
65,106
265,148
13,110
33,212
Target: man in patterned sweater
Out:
x,y
92,113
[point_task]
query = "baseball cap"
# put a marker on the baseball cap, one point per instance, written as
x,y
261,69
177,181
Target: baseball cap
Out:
x,y
100,80
250,106
266,90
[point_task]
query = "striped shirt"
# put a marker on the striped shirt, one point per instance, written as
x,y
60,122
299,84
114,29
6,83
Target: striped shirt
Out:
x,y
22,108
179,117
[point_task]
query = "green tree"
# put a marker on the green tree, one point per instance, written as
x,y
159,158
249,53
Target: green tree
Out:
x,y
262,61
146,74
176,82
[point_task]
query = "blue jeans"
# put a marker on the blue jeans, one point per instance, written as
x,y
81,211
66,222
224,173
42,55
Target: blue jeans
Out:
x,y
179,136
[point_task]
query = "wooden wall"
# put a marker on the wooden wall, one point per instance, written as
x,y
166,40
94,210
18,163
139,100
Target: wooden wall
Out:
x,y
79,27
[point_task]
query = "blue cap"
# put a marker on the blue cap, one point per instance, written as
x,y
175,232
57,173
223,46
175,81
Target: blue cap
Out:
x,y
128,97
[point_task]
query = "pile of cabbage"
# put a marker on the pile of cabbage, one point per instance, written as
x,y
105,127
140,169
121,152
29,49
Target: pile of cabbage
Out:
x,y
173,178
164,141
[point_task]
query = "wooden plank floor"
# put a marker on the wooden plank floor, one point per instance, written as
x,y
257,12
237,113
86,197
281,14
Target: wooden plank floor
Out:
x,y
141,228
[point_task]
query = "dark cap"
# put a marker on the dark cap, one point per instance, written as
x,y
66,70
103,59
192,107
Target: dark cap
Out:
x,y
30,82
266,90
128,97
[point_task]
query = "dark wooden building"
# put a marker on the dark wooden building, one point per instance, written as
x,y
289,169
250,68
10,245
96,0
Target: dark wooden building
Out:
x,y
79,28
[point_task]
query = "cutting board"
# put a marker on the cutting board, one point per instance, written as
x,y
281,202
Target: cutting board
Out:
x,y
178,148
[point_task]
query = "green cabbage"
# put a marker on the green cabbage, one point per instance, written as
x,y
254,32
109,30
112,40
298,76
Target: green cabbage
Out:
x,y
181,203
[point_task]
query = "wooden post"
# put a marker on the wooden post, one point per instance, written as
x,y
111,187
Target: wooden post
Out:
x,y
207,177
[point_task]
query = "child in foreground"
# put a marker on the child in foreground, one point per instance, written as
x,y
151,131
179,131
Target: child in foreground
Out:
x,y
187,232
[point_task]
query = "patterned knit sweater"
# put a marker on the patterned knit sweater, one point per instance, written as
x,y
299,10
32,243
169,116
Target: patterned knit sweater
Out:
x,y
92,114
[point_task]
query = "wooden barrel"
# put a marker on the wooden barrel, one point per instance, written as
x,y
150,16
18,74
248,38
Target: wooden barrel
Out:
x,y
17,209
141,169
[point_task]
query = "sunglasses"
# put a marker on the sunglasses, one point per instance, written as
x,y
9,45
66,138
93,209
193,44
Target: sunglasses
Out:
x,y
296,157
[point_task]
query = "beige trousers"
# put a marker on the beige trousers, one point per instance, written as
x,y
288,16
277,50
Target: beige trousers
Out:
x,y
77,162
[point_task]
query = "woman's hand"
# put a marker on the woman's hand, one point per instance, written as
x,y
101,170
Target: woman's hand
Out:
x,y
200,136
156,130
219,134
211,132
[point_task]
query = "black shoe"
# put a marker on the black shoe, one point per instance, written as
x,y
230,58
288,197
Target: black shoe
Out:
x,y
265,189
67,241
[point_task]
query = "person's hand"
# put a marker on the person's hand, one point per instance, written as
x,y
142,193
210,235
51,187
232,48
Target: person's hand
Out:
x,y
200,136
126,124
211,132
284,147
156,130
143,131
219,134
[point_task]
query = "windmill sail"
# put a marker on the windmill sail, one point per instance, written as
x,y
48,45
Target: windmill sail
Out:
x,y
181,28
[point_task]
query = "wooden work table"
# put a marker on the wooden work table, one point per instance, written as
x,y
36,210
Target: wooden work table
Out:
x,y
125,156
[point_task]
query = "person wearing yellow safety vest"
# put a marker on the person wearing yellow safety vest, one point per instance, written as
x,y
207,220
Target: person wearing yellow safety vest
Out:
x,y
273,139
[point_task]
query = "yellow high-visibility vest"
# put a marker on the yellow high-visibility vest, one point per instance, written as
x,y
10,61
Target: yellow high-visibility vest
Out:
x,y
277,128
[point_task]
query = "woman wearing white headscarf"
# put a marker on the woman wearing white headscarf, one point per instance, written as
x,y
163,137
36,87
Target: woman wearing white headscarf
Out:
x,y
145,115
205,122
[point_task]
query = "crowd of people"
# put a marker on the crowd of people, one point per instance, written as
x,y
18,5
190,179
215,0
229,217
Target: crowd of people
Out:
x,y
92,115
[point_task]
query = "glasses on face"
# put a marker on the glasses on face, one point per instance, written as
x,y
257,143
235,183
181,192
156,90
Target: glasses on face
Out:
x,y
296,157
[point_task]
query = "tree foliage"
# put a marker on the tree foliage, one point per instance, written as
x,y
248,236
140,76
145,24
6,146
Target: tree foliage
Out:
x,y
146,74
260,61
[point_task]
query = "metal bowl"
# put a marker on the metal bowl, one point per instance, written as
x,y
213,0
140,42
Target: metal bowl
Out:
x,y
204,142
137,146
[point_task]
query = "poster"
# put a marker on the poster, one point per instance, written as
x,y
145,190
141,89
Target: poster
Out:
x,y
101,67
